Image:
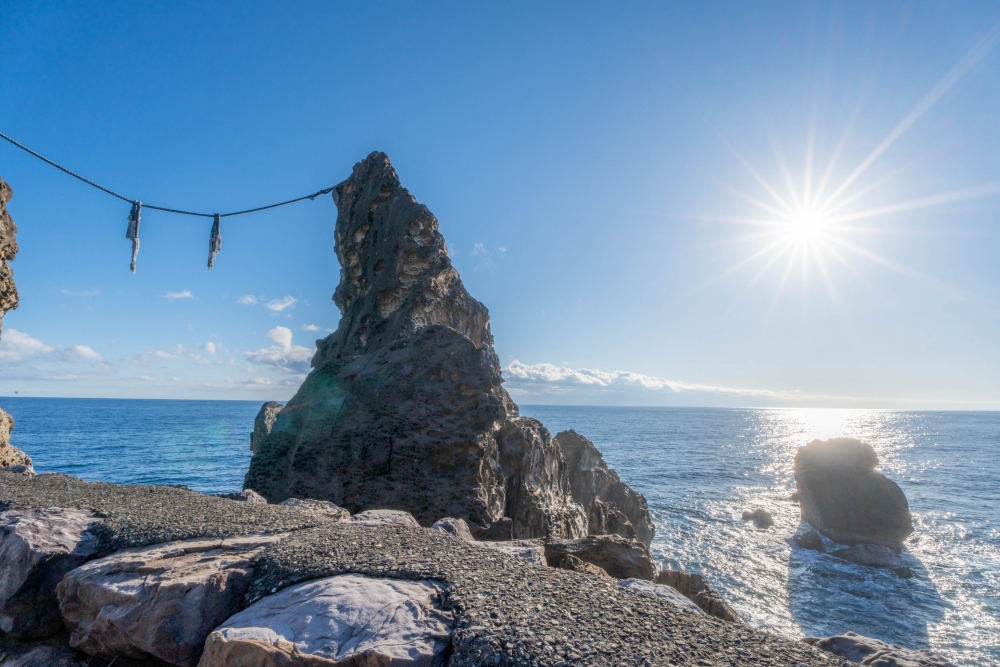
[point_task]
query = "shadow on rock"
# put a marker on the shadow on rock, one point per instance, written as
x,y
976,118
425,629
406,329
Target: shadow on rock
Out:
x,y
829,596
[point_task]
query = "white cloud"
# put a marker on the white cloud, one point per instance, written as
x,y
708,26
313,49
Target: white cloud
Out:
x,y
310,327
278,305
562,379
284,356
502,249
18,346
478,249
93,292
248,300
211,347
186,294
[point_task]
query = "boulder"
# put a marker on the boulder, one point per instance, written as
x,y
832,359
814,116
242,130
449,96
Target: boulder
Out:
x,y
574,564
263,423
696,589
159,601
621,558
874,653
668,593
346,620
530,551
591,480
456,527
405,405
872,555
810,540
760,517
245,496
843,496
8,250
324,507
38,547
385,518
12,458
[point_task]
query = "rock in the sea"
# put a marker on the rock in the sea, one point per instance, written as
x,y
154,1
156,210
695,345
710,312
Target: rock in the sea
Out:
x,y
159,601
810,540
8,250
345,620
38,547
760,517
613,508
245,496
696,589
874,653
621,558
872,555
843,496
10,456
324,507
385,518
668,593
263,423
405,406
457,527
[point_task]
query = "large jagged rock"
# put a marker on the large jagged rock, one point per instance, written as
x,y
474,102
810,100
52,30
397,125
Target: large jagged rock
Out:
x,y
38,547
694,587
9,454
159,601
613,507
621,558
874,653
8,250
263,423
405,408
843,496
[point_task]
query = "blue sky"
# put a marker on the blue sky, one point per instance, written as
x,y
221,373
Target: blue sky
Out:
x,y
628,188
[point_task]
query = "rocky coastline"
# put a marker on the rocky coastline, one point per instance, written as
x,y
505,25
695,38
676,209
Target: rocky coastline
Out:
x,y
398,510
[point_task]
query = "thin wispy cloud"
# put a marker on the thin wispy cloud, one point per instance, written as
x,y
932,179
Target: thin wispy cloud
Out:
x,y
278,305
310,327
248,300
186,294
69,292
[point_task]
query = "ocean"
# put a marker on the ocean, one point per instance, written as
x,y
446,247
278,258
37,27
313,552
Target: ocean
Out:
x,y
699,468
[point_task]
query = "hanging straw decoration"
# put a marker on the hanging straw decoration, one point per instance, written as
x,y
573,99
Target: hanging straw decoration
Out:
x,y
133,230
214,241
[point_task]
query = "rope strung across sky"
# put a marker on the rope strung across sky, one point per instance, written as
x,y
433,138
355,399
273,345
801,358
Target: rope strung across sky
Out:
x,y
215,238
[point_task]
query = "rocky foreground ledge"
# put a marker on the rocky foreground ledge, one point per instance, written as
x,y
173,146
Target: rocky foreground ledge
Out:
x,y
155,575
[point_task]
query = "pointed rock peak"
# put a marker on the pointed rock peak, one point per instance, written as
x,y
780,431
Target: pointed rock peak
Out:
x,y
396,277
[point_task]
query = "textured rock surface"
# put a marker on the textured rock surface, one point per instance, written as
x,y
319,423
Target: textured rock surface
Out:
x,y
872,555
456,527
810,540
529,551
574,564
9,454
591,480
37,547
874,653
263,423
49,656
621,558
8,250
385,518
324,507
844,497
696,589
136,516
539,497
405,407
380,621
159,601
760,517
668,593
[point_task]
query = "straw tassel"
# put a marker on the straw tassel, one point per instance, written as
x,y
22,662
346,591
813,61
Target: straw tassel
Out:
x,y
133,230
214,241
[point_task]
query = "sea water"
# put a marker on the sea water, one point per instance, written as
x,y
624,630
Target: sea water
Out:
x,y
699,470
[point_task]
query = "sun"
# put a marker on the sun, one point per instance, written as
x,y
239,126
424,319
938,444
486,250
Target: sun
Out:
x,y
806,227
